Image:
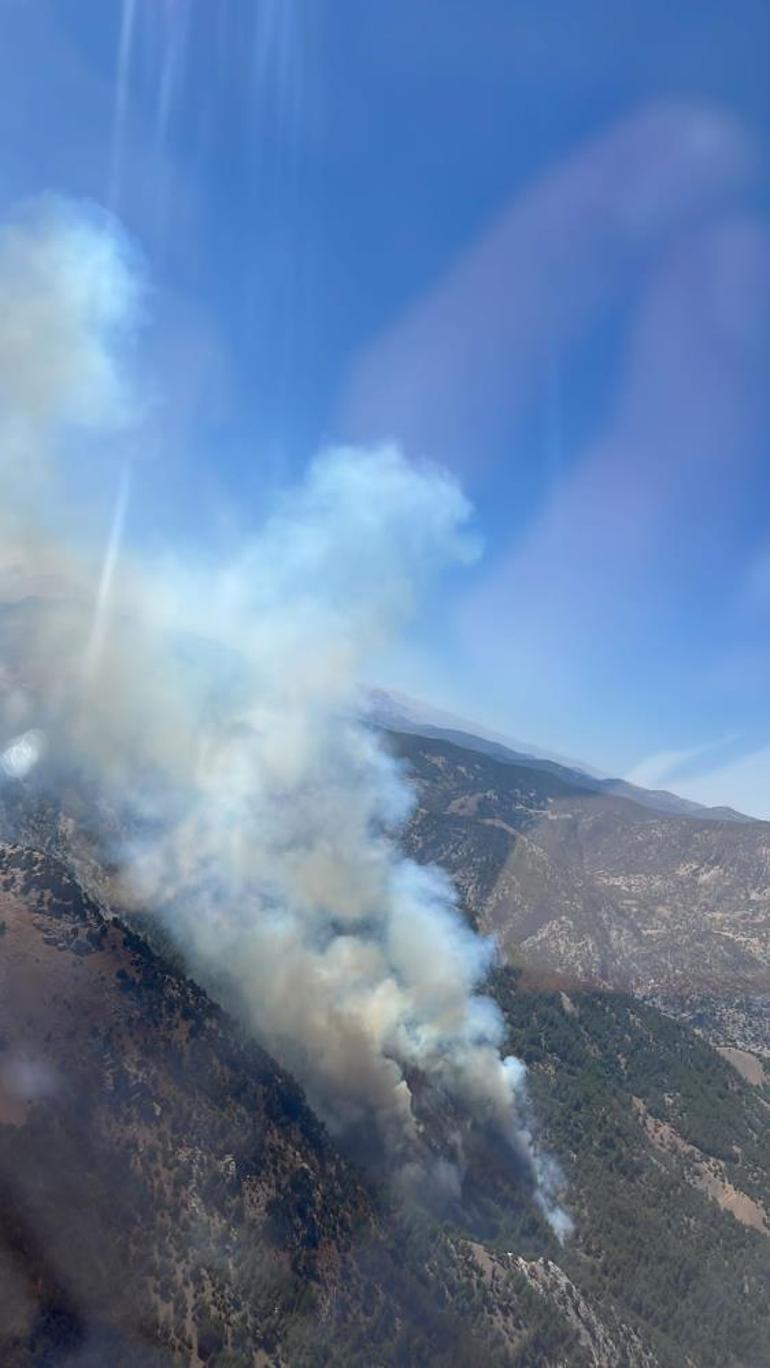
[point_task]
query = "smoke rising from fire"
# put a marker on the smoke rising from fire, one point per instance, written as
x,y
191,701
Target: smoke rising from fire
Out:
x,y
219,709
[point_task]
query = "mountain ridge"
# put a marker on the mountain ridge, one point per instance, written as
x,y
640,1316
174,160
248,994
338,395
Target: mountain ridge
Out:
x,y
391,712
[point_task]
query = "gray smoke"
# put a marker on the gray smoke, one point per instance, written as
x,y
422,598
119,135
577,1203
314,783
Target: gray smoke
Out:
x,y
221,707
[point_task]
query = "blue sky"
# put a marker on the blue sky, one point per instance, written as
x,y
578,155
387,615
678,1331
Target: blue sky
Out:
x,y
528,240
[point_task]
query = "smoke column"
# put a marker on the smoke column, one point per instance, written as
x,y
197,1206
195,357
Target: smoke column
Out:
x,y
220,710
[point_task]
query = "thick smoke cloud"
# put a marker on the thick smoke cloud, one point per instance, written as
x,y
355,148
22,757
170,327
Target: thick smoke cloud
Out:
x,y
219,709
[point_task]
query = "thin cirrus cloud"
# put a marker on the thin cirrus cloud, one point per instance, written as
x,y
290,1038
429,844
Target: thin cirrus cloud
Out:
x,y
743,783
673,766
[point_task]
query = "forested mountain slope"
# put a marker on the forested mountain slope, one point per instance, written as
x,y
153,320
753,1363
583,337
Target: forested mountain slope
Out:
x,y
167,1196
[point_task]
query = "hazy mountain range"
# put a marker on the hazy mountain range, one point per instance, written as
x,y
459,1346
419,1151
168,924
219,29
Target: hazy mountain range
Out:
x,y
399,712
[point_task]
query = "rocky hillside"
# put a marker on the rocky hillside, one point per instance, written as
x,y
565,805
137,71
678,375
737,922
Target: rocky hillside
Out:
x,y
600,888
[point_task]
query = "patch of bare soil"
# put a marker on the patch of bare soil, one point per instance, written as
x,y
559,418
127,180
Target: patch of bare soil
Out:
x,y
705,1172
749,1066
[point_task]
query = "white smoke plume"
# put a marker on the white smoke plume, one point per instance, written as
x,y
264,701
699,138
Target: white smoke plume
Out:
x,y
220,708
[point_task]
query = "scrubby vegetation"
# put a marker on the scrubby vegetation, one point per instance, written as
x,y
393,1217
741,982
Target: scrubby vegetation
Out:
x,y
650,1242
